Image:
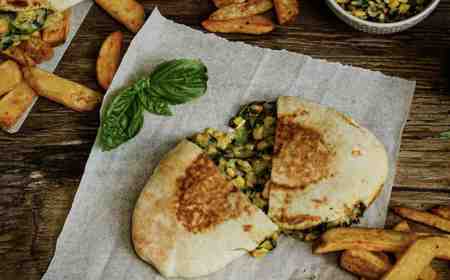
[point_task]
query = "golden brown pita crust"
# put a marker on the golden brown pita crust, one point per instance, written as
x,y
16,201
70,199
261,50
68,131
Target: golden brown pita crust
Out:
x,y
189,221
20,5
324,165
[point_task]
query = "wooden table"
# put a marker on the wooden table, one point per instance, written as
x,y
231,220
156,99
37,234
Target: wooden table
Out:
x,y
41,166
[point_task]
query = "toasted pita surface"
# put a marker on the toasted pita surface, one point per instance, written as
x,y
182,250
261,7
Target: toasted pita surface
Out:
x,y
324,165
189,221
22,5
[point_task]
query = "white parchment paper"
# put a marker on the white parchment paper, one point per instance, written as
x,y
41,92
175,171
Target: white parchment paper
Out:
x,y
78,14
95,241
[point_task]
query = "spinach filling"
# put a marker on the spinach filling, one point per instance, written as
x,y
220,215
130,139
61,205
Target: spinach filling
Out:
x,y
19,26
244,156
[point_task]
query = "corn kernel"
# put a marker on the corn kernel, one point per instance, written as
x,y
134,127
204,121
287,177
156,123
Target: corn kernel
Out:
x,y
393,4
239,182
359,13
403,8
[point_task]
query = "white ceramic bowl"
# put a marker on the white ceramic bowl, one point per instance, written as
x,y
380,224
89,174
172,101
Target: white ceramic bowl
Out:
x,y
380,28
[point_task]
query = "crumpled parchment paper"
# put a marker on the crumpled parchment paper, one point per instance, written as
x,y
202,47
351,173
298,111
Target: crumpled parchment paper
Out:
x,y
78,14
95,241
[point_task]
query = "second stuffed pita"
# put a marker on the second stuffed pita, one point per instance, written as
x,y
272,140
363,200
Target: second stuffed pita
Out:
x,y
325,168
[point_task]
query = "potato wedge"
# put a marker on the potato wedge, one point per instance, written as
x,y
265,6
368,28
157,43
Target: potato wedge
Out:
x,y
14,104
287,10
418,256
246,9
247,25
339,239
371,265
56,34
428,272
10,76
30,52
371,239
442,211
68,93
402,226
109,58
128,12
17,54
223,3
37,49
423,217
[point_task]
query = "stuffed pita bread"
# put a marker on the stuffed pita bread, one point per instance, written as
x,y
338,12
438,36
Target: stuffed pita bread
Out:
x,y
190,221
325,166
23,20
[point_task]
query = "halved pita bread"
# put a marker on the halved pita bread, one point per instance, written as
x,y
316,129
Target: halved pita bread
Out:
x,y
22,5
189,221
25,5
324,166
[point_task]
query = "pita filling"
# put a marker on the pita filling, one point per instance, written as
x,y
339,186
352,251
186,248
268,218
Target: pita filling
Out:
x,y
244,156
18,26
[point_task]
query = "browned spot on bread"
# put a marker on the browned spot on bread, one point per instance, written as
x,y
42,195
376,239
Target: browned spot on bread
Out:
x,y
348,120
205,199
356,152
247,228
295,219
318,202
300,153
24,3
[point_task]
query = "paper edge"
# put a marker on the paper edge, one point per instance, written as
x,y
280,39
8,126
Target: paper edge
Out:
x,y
155,14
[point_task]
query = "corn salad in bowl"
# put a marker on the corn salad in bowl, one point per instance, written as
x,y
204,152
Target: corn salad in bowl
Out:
x,y
383,10
382,16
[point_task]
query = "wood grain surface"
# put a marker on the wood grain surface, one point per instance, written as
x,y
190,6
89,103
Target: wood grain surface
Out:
x,y
41,166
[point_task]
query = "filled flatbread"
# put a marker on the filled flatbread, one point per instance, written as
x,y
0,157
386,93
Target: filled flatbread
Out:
x,y
190,221
21,20
325,166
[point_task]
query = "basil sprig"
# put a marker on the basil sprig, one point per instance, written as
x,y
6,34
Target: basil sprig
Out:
x,y
172,83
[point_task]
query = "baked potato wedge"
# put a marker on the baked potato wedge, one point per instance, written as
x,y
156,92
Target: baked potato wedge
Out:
x,y
10,76
248,25
423,217
418,256
128,12
223,3
109,59
428,272
442,211
240,10
371,265
286,10
14,104
60,90
30,52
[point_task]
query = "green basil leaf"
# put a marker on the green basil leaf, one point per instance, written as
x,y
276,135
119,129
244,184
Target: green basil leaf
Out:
x,y
173,82
179,81
136,116
154,105
122,120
